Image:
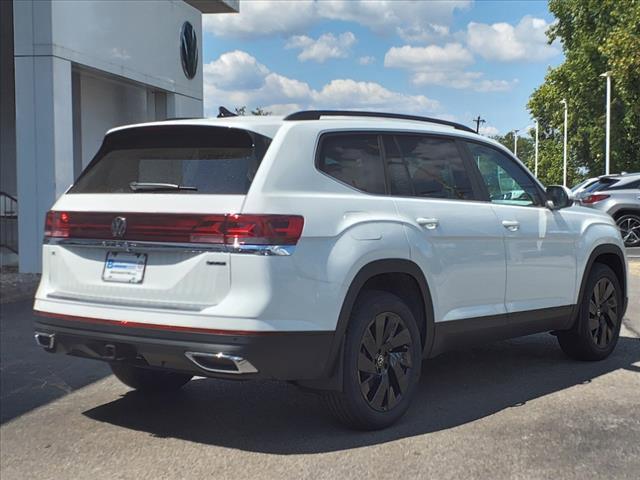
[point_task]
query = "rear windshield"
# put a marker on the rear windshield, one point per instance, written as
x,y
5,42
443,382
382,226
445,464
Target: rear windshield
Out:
x,y
175,159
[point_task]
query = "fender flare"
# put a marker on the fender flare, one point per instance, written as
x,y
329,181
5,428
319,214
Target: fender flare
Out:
x,y
367,272
606,248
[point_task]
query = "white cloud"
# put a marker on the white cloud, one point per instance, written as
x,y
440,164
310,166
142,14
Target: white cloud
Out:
x,y
235,69
504,42
262,18
423,33
444,66
280,94
489,131
366,60
462,80
432,57
268,17
326,46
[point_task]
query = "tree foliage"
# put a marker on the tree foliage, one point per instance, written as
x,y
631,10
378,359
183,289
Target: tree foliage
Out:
x,y
526,148
597,36
258,111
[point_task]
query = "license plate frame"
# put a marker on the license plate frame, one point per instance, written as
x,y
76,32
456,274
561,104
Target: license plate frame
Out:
x,y
124,267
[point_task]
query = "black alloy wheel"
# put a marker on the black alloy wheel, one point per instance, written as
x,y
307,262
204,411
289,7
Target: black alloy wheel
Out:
x,y
603,312
381,364
596,329
384,362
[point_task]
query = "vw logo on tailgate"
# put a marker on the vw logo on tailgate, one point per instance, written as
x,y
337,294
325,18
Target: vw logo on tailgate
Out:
x,y
118,227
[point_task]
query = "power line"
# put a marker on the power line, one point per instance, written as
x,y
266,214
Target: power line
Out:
x,y
478,121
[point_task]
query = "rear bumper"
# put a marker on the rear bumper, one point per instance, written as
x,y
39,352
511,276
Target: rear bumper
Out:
x,y
244,355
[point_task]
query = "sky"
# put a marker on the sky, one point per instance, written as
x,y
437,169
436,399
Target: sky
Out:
x,y
447,59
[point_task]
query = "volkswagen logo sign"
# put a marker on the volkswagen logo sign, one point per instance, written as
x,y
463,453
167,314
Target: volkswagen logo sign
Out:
x,y
189,50
118,227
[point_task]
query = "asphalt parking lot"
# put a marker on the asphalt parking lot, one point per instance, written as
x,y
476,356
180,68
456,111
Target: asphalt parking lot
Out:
x,y
513,409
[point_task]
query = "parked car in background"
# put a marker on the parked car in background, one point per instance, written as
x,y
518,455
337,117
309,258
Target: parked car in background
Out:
x,y
619,196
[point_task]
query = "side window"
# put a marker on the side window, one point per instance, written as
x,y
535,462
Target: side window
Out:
x,y
424,166
626,186
506,182
353,159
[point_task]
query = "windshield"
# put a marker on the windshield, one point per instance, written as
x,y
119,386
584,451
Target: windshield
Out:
x,y
175,159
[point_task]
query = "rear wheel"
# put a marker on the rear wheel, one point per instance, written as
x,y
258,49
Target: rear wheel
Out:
x,y
147,380
382,361
629,226
596,331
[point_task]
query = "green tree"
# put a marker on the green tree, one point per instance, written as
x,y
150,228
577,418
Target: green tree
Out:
x,y
258,111
596,36
526,147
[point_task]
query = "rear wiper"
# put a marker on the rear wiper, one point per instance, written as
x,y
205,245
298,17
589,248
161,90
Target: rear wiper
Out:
x,y
158,187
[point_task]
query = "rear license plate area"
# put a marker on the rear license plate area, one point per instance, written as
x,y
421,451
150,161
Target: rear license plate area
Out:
x,y
124,267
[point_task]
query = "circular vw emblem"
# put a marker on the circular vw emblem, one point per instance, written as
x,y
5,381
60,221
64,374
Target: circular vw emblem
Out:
x,y
118,227
189,50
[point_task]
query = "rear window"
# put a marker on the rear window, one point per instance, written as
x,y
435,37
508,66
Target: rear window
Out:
x,y
601,184
175,159
353,159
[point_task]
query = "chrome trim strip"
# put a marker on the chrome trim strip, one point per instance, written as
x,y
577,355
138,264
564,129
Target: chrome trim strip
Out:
x,y
133,245
242,365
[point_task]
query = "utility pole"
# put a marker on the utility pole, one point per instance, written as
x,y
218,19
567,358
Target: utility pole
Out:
x,y
535,168
564,149
608,131
478,121
515,142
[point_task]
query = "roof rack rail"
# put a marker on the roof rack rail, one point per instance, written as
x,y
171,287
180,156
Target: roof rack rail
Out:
x,y
316,114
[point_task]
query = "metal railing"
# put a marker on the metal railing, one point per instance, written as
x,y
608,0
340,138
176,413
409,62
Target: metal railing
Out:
x,y
9,222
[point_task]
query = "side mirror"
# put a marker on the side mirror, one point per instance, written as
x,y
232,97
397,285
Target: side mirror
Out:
x,y
558,197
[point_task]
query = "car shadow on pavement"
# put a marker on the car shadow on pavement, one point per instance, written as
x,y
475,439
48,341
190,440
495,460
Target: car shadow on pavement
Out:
x,y
278,418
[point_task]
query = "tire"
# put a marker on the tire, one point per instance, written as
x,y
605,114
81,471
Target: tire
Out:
x,y
597,328
629,225
147,380
381,363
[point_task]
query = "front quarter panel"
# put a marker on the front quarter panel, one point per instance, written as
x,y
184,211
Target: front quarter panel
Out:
x,y
595,230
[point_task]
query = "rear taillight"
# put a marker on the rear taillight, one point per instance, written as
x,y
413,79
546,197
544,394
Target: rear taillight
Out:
x,y
594,198
177,228
56,224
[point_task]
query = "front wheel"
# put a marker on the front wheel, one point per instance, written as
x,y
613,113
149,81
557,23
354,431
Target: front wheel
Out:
x,y
629,226
596,330
382,362
147,380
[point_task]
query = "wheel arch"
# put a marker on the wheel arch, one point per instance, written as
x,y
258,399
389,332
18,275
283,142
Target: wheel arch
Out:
x,y
612,256
625,210
372,275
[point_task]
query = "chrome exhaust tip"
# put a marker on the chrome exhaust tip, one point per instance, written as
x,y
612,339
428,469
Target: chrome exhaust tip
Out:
x,y
221,363
45,340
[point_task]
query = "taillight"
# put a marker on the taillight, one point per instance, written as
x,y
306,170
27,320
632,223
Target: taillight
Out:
x,y
56,224
178,228
263,229
594,198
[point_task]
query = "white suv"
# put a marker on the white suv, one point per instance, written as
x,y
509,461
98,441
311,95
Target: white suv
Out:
x,y
333,249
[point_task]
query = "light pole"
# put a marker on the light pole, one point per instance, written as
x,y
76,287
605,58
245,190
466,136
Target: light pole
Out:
x,y
564,152
535,156
515,142
607,75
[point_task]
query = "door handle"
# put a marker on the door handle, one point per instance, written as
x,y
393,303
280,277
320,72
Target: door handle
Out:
x,y
428,223
511,225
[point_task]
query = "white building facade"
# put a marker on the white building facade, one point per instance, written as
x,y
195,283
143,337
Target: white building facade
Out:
x,y
71,70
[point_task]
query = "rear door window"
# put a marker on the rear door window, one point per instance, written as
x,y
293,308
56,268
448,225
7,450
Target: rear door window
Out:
x,y
175,159
353,159
426,166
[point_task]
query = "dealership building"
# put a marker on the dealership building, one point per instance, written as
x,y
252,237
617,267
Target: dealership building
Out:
x,y
71,70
